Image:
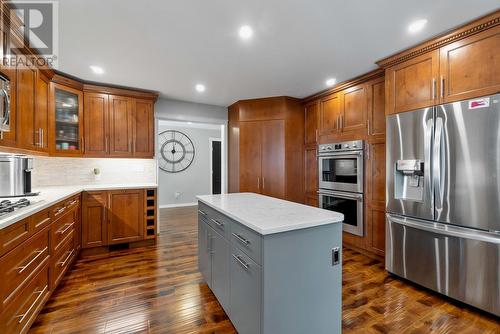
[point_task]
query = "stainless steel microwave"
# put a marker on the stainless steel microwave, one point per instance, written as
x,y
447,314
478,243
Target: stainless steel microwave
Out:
x,y
4,104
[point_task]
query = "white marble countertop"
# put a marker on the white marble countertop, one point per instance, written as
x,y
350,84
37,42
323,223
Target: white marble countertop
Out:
x,y
51,195
268,215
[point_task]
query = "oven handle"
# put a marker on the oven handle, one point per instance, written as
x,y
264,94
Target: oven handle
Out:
x,y
341,154
358,197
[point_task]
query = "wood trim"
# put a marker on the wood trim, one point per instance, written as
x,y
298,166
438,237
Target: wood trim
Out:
x,y
346,84
478,25
94,88
289,98
68,82
104,88
16,150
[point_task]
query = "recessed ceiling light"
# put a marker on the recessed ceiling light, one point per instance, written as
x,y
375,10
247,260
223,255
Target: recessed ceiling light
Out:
x,y
97,69
245,32
200,88
330,82
417,25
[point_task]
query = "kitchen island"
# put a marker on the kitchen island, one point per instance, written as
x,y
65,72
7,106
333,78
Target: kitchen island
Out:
x,y
274,266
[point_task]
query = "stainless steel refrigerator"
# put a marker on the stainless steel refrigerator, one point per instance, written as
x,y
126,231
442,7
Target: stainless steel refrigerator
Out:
x,y
443,199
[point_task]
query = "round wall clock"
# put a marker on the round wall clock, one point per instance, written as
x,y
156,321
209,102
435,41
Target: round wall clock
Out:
x,y
176,151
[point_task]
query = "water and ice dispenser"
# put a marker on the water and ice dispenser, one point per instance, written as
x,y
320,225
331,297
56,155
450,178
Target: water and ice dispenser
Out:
x,y
409,180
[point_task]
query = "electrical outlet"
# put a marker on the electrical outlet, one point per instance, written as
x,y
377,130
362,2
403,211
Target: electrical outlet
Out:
x,y
335,256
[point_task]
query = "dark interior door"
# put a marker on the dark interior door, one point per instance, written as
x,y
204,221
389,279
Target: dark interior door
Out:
x,y
216,167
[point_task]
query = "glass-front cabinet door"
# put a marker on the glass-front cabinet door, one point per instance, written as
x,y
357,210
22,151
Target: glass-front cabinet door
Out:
x,y
66,121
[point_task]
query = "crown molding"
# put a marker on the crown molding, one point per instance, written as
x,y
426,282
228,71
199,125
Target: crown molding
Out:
x,y
481,24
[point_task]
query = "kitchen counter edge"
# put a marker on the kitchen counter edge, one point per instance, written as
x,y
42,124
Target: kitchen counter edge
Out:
x,y
56,194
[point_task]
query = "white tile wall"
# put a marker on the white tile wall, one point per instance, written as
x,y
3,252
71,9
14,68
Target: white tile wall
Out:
x,y
50,171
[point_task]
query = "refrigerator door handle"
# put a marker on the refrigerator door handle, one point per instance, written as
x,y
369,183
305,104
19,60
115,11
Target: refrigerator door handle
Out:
x,y
427,158
438,165
447,230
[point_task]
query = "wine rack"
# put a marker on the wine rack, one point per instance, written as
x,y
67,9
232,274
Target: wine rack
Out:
x,y
151,214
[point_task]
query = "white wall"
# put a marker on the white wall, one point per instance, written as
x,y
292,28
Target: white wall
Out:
x,y
195,180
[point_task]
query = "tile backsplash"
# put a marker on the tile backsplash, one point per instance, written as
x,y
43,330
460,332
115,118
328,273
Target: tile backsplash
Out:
x,y
50,171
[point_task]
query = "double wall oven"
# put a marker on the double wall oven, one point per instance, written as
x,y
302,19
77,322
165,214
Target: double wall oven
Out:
x,y
341,182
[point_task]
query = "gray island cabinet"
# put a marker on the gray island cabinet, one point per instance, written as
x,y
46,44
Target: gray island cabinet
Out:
x,y
274,266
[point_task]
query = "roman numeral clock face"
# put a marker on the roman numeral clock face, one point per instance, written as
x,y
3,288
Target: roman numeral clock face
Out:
x,y
176,151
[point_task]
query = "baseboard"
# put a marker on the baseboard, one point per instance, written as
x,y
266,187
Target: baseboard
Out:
x,y
177,205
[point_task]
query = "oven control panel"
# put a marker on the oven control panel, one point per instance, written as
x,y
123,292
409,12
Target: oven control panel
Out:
x,y
355,145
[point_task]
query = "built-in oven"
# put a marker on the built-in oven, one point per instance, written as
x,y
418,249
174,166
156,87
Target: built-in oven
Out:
x,y
349,204
341,166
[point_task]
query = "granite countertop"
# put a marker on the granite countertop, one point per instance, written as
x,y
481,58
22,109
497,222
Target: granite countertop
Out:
x,y
52,195
268,215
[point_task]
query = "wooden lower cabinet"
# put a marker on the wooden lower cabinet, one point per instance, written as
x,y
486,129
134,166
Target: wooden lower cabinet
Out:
x,y
312,201
62,260
116,217
126,216
94,220
18,316
36,252
375,197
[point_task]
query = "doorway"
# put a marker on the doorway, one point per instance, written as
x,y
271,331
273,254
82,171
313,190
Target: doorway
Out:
x,y
215,166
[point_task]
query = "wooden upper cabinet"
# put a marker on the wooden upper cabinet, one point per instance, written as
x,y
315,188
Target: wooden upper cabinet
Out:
x,y
143,129
120,126
65,135
250,136
376,108
41,123
125,216
353,111
413,84
26,83
96,127
330,114
273,158
94,219
311,111
471,67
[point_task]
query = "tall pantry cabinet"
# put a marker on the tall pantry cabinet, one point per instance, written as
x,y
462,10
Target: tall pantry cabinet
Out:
x,y
266,147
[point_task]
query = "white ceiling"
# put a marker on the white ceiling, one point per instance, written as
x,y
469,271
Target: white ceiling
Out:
x,y
169,46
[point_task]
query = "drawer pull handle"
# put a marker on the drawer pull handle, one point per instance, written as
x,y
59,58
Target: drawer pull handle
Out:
x,y
72,202
240,261
241,239
218,223
59,211
67,258
202,212
40,294
38,254
68,226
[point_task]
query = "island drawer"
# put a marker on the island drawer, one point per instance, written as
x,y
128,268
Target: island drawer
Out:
x,y
249,241
245,295
216,220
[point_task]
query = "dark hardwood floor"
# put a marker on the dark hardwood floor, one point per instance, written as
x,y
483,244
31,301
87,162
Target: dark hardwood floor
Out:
x,y
158,289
